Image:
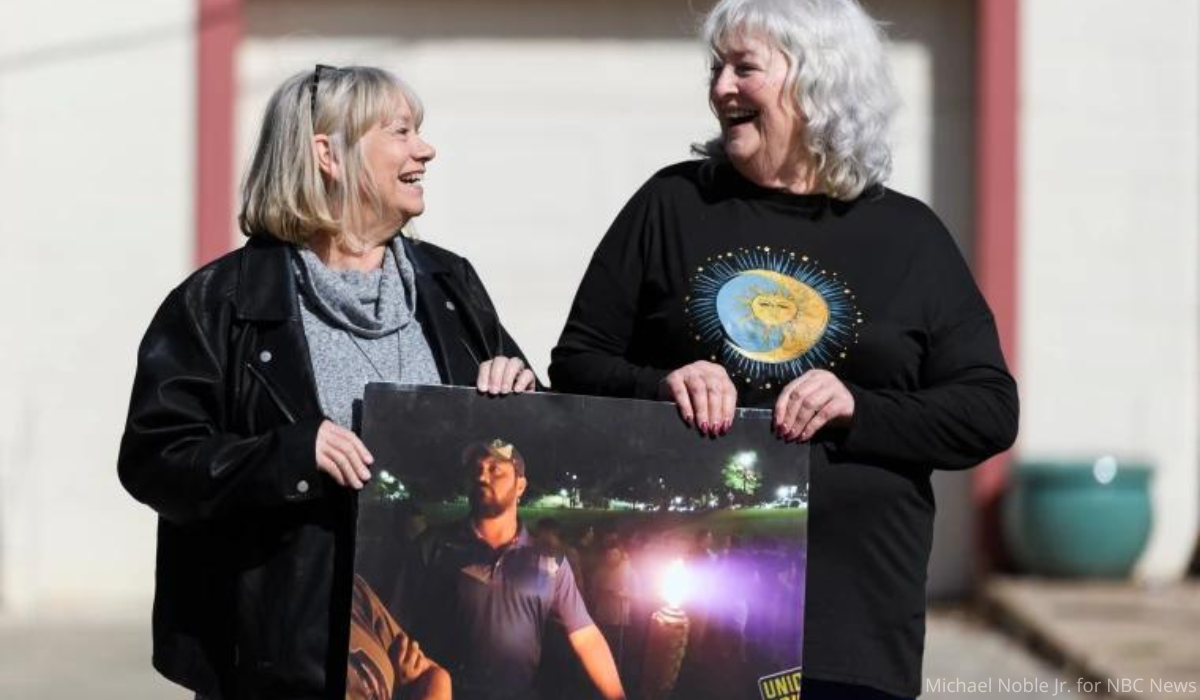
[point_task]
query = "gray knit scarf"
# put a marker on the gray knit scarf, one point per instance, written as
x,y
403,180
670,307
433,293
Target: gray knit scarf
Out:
x,y
361,327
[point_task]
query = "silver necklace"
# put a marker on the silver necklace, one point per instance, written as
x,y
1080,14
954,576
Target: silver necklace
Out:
x,y
367,356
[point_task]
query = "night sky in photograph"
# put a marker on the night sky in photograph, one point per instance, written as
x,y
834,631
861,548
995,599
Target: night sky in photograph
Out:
x,y
615,448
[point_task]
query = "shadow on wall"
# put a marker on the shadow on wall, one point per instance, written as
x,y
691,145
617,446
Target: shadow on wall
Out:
x,y
946,30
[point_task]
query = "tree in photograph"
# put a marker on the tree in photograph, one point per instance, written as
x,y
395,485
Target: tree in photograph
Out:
x,y
741,476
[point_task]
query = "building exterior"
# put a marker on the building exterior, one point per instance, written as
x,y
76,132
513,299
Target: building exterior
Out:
x,y
1062,147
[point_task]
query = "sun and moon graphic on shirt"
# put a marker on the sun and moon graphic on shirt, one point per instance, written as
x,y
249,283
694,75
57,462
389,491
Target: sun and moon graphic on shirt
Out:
x,y
770,315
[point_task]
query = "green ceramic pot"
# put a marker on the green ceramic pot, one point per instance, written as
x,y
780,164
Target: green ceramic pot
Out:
x,y
1078,518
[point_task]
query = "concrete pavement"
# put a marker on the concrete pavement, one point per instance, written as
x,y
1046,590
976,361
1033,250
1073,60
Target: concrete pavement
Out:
x,y
1132,641
966,658
59,660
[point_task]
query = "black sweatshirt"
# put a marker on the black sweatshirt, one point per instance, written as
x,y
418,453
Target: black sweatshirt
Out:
x,y
701,264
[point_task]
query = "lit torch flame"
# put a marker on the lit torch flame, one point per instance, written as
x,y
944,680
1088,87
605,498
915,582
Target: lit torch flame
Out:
x,y
674,586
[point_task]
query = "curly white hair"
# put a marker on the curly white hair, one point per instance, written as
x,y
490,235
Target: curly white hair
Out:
x,y
838,75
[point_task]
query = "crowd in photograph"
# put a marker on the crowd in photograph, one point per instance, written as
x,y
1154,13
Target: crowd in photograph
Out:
x,y
742,598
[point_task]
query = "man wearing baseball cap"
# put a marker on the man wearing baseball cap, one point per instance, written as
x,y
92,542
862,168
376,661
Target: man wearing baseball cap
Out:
x,y
483,592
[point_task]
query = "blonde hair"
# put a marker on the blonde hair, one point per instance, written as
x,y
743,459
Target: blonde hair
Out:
x,y
839,78
284,194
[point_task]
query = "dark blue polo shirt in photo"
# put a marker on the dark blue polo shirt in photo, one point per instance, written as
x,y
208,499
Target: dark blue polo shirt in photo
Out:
x,y
481,612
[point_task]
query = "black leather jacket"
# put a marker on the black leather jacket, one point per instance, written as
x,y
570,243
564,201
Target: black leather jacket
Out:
x,y
255,546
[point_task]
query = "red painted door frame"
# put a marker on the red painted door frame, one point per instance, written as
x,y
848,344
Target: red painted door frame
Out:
x,y
996,172
218,32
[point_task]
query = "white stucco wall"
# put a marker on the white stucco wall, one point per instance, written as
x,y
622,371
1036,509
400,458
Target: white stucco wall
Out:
x,y
1110,285
96,129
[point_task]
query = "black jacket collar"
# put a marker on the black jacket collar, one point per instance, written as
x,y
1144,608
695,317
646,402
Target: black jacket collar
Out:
x,y
423,259
266,289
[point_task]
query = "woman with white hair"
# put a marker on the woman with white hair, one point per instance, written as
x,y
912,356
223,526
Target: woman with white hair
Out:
x,y
778,272
249,381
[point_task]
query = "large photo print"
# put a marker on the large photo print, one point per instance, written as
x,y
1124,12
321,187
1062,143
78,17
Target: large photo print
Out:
x,y
550,546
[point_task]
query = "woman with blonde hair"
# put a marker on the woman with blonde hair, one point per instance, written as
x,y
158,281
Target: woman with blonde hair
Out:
x,y
779,272
240,431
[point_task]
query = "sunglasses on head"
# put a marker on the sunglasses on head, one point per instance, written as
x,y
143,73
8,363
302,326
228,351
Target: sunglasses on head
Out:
x,y
312,88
